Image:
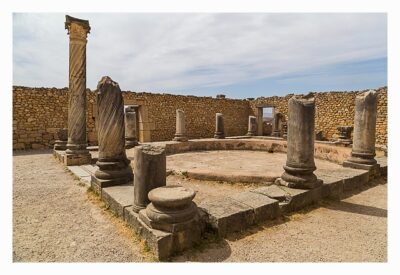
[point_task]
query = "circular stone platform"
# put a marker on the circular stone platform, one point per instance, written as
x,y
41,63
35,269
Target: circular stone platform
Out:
x,y
234,165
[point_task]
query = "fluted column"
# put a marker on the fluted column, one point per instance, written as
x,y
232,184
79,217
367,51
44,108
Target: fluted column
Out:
x,y
77,141
130,128
252,128
113,164
180,134
300,163
363,151
219,126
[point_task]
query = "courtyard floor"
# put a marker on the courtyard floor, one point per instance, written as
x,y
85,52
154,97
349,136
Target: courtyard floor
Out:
x,y
55,219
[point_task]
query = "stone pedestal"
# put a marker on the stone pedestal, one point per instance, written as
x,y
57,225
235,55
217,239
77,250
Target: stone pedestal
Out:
x,y
180,134
300,163
363,151
345,134
219,126
172,210
114,168
76,152
61,143
130,128
277,125
150,168
252,129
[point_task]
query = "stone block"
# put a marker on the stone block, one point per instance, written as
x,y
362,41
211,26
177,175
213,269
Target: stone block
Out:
x,y
382,161
332,187
118,197
69,159
272,191
300,198
264,207
98,184
226,215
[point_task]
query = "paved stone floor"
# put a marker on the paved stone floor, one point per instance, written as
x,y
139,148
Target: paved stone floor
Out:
x,y
55,219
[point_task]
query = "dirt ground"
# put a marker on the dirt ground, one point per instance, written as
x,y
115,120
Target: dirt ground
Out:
x,y
56,220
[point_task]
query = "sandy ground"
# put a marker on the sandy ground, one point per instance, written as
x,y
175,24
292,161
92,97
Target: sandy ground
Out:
x,y
56,220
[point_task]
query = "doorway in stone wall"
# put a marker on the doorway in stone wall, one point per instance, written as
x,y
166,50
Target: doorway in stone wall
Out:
x,y
265,118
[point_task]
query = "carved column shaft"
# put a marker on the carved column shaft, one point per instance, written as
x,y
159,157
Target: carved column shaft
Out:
x,y
77,30
180,134
219,126
130,128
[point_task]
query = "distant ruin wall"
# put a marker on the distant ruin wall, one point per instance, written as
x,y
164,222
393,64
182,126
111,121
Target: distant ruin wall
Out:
x,y
333,109
39,112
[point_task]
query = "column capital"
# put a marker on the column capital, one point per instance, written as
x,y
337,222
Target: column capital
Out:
x,y
77,28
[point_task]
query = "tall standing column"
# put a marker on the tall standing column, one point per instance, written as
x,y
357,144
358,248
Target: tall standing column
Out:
x,y
180,134
252,128
277,125
77,152
130,128
363,151
114,168
219,126
300,163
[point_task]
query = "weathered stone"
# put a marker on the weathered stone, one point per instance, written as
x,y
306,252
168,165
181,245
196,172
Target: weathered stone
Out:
x,y
284,127
77,140
130,128
118,197
345,134
227,215
277,125
61,142
114,168
252,129
180,134
300,198
363,151
272,191
150,168
219,126
264,208
300,163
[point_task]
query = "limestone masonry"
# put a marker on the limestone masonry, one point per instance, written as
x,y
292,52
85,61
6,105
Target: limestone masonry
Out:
x,y
38,113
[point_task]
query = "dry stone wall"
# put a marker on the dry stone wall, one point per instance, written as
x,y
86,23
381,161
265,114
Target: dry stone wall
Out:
x,y
39,112
333,109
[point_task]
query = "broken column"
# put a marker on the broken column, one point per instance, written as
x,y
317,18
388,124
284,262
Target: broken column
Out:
x,y
345,134
150,168
130,128
62,139
363,151
300,164
180,134
77,153
114,168
284,127
252,129
219,126
277,125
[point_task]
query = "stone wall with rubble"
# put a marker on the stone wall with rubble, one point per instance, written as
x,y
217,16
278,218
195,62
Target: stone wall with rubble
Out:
x,y
39,112
332,109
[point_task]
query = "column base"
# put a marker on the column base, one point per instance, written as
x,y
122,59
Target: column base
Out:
x,y
60,145
276,134
299,178
180,138
250,134
131,143
219,135
97,184
374,169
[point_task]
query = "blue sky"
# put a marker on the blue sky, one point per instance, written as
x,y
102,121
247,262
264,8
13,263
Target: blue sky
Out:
x,y
240,55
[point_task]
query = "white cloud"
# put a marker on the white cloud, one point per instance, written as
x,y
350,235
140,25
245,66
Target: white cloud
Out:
x,y
167,52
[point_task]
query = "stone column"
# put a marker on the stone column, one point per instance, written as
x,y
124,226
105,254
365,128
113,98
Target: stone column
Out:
x,y
150,166
260,121
130,128
277,125
180,134
252,129
219,126
300,164
114,168
284,127
77,141
363,151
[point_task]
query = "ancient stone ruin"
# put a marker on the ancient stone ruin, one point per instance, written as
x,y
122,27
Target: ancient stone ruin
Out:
x,y
146,184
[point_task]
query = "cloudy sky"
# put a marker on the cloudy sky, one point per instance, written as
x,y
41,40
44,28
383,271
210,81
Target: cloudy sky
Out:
x,y
240,55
